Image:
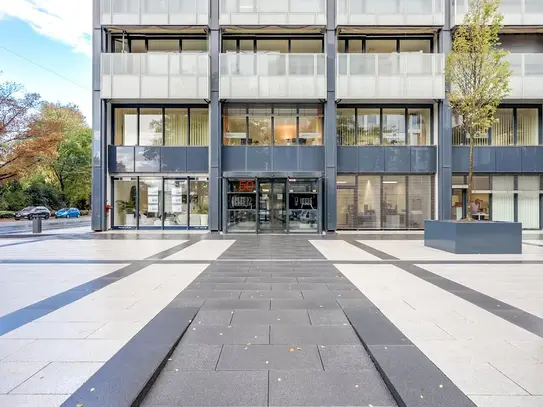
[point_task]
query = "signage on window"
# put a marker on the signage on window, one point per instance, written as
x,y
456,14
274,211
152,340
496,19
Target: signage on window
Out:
x,y
241,201
302,201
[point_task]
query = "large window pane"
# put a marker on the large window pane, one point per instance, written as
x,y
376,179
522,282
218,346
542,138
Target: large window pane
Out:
x,y
380,46
346,207
138,47
528,201
163,46
422,45
306,46
394,200
150,127
199,204
124,206
527,127
235,127
503,208
420,130
126,127
199,127
241,202
420,200
345,124
310,127
260,123
303,206
194,45
285,127
150,202
394,126
368,214
176,127
275,45
355,46
175,203
457,212
502,130
369,130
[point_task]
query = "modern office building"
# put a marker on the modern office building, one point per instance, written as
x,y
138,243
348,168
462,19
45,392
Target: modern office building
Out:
x,y
303,116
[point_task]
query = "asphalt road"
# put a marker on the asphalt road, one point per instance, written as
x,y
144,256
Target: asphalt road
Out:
x,y
23,226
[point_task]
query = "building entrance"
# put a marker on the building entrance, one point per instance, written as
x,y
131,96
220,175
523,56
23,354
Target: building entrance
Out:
x,y
273,205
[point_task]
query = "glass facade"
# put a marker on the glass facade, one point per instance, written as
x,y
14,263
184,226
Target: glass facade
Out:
x,y
151,126
160,203
384,45
138,44
384,202
365,126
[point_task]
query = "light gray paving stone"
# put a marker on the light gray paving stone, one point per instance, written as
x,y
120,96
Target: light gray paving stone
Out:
x,y
209,389
269,317
304,304
270,294
31,400
213,317
327,317
269,357
219,335
243,286
336,279
12,374
314,334
291,388
345,358
236,304
194,357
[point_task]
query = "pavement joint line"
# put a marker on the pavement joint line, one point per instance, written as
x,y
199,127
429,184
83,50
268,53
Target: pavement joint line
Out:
x,y
30,313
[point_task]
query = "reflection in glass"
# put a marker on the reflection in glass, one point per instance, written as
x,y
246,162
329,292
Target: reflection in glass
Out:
x,y
126,127
368,215
502,130
176,127
310,127
285,130
260,131
199,127
175,203
150,202
163,45
147,159
457,212
303,206
124,205
394,202
527,127
345,124
418,45
235,127
275,45
394,126
420,204
150,127
380,46
199,204
194,45
369,130
124,159
241,205
418,122
306,46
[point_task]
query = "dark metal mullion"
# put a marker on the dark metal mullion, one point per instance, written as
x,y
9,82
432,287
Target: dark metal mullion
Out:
x,y
188,203
297,127
146,45
272,129
247,127
188,126
515,198
138,126
515,124
406,202
257,206
163,201
163,126
287,209
356,126
180,45
381,123
406,126
137,212
383,204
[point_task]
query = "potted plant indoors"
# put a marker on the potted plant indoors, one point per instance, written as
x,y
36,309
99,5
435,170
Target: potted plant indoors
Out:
x,y
128,209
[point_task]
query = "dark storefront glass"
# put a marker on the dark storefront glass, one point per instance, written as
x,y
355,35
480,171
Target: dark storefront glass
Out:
x,y
241,206
303,206
124,206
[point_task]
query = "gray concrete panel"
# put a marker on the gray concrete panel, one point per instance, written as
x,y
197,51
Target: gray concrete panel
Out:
x,y
285,159
508,159
484,159
347,159
259,158
147,159
371,159
532,159
397,159
423,159
311,159
233,158
197,159
174,159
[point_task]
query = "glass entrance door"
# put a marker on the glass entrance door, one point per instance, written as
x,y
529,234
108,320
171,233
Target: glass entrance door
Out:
x,y
272,206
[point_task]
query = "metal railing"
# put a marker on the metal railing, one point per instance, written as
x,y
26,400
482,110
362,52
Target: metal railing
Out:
x,y
272,75
391,12
160,75
403,75
515,12
276,12
159,12
526,80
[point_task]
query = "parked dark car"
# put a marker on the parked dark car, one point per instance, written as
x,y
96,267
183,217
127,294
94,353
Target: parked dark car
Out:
x,y
23,213
36,212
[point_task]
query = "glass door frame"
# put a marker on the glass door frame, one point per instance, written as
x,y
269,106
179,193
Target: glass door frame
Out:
x,y
272,182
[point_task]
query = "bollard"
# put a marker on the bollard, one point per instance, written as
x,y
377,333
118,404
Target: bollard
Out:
x,y
36,225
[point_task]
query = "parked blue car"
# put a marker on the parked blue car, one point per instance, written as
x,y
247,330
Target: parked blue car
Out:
x,y
67,213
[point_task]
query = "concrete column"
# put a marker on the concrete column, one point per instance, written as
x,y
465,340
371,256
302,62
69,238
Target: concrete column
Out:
x,y
99,137
215,142
444,164
330,137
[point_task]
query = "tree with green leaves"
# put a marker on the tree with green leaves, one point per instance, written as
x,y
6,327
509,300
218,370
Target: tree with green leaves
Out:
x,y
478,73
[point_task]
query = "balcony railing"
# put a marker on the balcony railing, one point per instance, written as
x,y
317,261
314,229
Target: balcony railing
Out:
x,y
515,12
391,12
155,12
272,76
273,12
155,76
390,76
527,78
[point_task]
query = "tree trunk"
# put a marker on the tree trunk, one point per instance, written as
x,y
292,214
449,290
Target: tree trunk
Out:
x,y
470,178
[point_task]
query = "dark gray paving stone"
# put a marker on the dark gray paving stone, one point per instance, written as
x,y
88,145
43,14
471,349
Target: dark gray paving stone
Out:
x,y
345,358
269,294
269,357
331,295
220,335
220,279
410,375
209,389
272,280
196,285
336,279
313,334
242,286
255,317
355,303
327,317
194,357
214,317
374,328
342,286
187,302
237,304
242,274
300,287
304,304
203,294
328,389
304,274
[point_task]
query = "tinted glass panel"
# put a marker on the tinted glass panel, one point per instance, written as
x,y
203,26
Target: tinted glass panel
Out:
x,y
150,127
176,127
394,126
369,129
124,206
126,127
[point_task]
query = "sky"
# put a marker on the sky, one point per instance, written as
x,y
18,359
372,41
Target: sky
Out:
x,y
53,41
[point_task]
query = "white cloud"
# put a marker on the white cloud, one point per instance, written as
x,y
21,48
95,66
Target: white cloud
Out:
x,y
67,21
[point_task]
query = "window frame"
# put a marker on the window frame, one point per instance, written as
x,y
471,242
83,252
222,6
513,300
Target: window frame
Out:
x,y
146,37
255,38
364,38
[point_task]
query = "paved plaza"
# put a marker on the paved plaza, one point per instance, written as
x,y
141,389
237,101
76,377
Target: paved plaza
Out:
x,y
176,319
